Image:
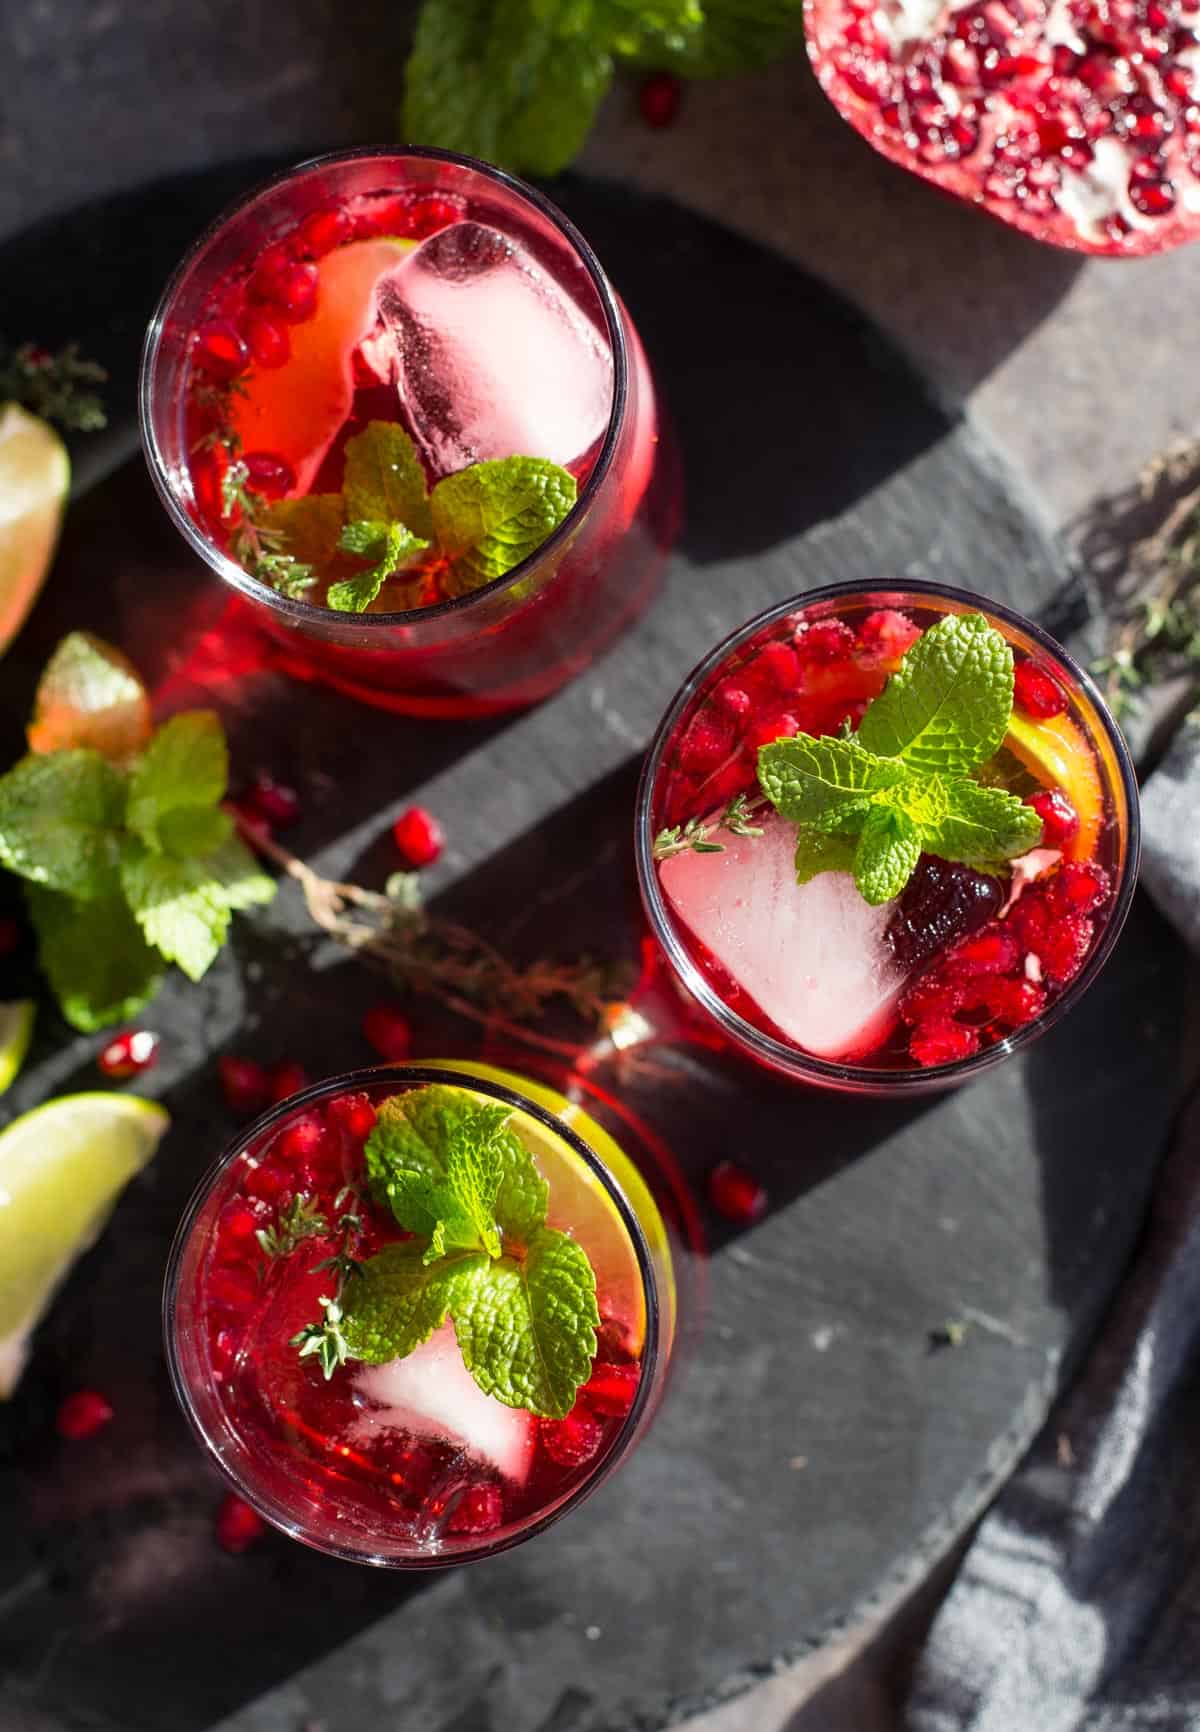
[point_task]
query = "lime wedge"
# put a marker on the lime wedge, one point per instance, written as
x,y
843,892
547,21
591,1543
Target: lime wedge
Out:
x,y
35,473
90,695
62,1167
16,1031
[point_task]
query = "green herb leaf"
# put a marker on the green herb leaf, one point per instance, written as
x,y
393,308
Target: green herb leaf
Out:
x,y
397,1299
983,826
947,706
490,517
60,821
53,385
736,36
889,847
325,1340
305,530
527,1330
817,851
384,480
825,784
436,1156
301,1219
391,545
194,830
185,765
236,876
98,964
176,904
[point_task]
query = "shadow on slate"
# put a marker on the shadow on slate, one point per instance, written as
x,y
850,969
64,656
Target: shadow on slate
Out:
x,y
117,1612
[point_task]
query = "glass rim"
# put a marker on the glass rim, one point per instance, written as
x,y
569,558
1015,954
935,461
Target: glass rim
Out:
x,y
293,608
401,1074
777,1054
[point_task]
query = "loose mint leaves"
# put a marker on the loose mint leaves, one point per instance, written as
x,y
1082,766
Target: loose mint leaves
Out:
x,y
478,524
873,802
457,1176
127,868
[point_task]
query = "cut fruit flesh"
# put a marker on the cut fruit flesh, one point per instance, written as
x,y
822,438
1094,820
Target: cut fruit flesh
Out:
x,y
35,473
16,1031
62,1167
1056,752
296,411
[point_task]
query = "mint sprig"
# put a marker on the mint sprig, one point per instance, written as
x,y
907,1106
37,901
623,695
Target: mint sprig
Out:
x,y
522,1295
873,802
127,868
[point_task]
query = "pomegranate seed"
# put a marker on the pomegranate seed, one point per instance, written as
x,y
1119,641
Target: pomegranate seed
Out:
x,y
1065,946
238,1527
429,214
1036,693
734,700
129,1054
775,668
1151,197
83,1415
355,1114
736,1194
286,1080
253,828
219,351
233,1288
10,935
704,746
1032,921
273,800
268,341
572,1441
1060,820
269,476
240,1222
244,1084
418,836
611,1388
781,726
324,230
659,99
889,633
301,1140
614,1344
223,1349
1015,1002
480,1510
944,1042
932,998
387,1030
1077,888
829,640
990,953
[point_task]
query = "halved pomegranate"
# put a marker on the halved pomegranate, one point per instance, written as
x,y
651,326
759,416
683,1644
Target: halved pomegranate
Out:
x,y
1075,120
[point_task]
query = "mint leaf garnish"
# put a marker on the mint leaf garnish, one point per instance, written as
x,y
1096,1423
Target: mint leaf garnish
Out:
x,y
185,766
871,803
60,821
384,481
528,1330
174,904
194,830
522,1296
947,706
490,517
99,966
737,36
390,545
307,529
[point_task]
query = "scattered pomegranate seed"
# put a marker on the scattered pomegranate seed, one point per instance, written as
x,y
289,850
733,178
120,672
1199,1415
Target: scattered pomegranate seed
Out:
x,y
355,1114
268,475
611,1388
705,745
129,1054
238,1527
324,230
83,1415
1078,887
285,283
932,998
273,800
1060,820
660,98
573,1440
480,1510
268,341
245,1084
10,935
736,1194
1036,693
418,836
219,351
943,1042
387,1030
286,1080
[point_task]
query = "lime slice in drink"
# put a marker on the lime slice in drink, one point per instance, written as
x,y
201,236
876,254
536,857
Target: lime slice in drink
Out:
x,y
35,473
297,410
62,1167
1057,753
90,695
16,1031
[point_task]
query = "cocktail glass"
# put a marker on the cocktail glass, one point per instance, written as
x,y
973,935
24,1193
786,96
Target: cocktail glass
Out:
x,y
517,638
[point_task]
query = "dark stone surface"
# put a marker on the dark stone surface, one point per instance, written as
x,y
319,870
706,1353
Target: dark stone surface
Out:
x,y
813,1450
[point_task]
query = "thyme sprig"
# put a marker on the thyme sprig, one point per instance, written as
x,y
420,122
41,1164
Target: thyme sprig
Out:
x,y
326,1339
58,387
696,834
300,1220
257,548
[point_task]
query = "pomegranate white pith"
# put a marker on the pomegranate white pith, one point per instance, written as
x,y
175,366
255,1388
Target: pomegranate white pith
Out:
x,y
1077,121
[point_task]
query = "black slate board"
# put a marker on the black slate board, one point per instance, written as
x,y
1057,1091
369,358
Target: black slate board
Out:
x,y
813,1454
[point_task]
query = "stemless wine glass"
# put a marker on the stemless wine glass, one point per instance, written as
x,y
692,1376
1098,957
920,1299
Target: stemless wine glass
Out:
x,y
518,637
409,1465
811,663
